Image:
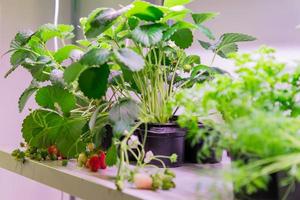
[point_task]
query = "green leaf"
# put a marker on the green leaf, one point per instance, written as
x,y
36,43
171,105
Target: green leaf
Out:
x,y
148,35
68,139
73,71
200,18
133,22
41,127
39,68
49,31
99,21
183,38
130,59
205,45
95,56
56,98
228,49
64,53
123,115
229,38
176,14
111,156
172,3
93,82
21,39
206,32
26,95
145,11
192,59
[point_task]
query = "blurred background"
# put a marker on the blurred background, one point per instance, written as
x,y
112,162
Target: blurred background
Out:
x,y
273,22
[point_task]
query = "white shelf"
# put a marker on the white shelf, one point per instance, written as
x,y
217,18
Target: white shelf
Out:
x,y
193,181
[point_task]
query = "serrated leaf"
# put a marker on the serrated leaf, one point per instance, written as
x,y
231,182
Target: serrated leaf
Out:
x,y
206,32
39,68
95,56
226,50
171,3
49,31
73,72
33,87
183,38
145,11
99,21
123,114
93,82
20,39
205,45
133,22
200,18
148,35
130,59
229,38
111,156
54,96
177,13
41,127
68,139
64,53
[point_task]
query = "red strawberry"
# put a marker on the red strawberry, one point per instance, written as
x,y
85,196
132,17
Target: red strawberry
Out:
x,y
94,163
52,150
102,157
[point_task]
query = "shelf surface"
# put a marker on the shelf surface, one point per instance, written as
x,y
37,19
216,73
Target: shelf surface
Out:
x,y
192,181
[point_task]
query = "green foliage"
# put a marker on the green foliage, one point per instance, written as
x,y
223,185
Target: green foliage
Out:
x,y
145,11
55,98
171,3
64,53
148,35
73,72
123,115
95,56
28,92
93,81
112,156
183,38
130,59
227,43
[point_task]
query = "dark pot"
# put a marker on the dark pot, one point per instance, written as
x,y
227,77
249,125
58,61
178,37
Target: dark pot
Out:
x,y
164,139
192,151
274,191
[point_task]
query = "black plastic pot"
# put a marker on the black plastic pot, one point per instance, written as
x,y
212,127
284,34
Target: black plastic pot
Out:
x,y
164,139
274,191
192,151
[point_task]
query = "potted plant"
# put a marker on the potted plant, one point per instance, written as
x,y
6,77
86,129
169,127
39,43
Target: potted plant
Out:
x,y
147,45
258,125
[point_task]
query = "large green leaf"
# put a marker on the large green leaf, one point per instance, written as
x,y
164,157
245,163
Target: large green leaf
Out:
x,y
177,13
49,31
178,26
41,127
39,68
145,11
200,18
229,38
148,35
21,39
171,3
64,52
93,82
33,87
73,71
56,98
130,59
99,21
68,139
123,115
183,38
95,56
